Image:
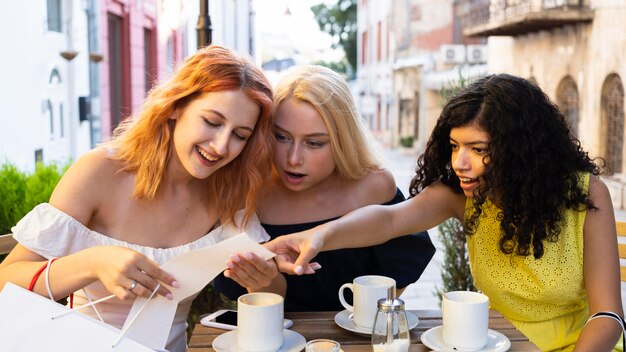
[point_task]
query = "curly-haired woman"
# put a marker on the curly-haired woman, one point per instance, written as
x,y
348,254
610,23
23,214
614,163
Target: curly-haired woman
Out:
x,y
539,221
175,178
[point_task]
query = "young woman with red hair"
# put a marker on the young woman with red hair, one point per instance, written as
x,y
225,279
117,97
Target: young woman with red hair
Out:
x,y
174,178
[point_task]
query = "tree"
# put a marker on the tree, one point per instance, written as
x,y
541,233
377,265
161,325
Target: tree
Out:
x,y
340,22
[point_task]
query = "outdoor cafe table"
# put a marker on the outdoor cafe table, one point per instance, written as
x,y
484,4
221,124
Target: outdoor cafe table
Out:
x,y
316,325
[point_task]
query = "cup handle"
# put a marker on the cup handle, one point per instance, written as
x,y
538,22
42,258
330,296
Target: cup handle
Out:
x,y
342,299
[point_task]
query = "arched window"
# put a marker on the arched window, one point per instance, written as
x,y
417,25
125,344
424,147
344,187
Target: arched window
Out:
x,y
55,77
612,123
567,100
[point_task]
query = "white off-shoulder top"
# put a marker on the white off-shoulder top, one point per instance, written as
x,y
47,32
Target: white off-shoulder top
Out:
x,y
50,233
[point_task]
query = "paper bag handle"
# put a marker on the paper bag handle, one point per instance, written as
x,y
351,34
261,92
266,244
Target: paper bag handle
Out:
x,y
125,330
33,281
46,267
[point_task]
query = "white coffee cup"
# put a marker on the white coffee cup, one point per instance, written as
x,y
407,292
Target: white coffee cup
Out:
x,y
260,322
465,320
367,290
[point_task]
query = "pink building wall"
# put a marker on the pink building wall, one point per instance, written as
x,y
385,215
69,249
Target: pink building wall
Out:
x,y
135,18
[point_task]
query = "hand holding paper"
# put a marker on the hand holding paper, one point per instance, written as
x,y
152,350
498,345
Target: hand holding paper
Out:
x,y
193,270
251,271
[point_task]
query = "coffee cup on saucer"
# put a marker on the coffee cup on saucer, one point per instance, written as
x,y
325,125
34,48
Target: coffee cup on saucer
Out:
x,y
260,322
367,290
465,320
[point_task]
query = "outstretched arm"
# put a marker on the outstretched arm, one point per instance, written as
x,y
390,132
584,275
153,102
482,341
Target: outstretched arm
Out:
x,y
367,226
601,270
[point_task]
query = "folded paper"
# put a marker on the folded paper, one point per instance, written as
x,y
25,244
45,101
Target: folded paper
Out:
x,y
193,271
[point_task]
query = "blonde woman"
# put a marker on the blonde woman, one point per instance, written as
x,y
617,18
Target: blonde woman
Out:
x,y
324,167
175,178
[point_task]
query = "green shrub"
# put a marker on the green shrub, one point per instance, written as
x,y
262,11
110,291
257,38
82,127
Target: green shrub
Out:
x,y
12,194
407,141
41,184
207,301
20,191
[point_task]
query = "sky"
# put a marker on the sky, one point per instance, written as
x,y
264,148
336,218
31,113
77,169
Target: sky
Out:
x,y
297,34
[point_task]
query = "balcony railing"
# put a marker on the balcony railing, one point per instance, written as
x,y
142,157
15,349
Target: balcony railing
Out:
x,y
519,17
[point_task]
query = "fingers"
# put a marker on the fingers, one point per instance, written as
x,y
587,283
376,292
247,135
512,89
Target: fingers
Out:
x,y
313,267
142,276
287,266
154,271
301,264
251,271
294,252
148,282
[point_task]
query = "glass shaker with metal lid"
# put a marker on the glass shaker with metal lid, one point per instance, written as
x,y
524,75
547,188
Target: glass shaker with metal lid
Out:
x,y
391,328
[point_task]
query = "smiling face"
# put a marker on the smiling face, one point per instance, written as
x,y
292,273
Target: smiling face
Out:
x,y
303,155
470,153
212,130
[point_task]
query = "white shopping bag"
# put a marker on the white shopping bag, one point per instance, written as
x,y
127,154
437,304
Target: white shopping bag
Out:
x,y
27,324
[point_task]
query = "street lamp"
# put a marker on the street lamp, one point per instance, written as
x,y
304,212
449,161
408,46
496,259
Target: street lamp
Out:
x,y
204,28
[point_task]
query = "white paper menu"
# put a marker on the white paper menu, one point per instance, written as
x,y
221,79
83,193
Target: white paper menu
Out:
x,y
193,271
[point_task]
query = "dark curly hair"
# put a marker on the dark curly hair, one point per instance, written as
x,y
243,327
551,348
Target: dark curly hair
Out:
x,y
534,162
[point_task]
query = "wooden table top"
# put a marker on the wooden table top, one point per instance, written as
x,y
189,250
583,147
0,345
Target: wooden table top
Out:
x,y
316,325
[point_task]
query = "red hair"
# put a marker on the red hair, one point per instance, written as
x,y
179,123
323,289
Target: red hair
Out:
x,y
144,142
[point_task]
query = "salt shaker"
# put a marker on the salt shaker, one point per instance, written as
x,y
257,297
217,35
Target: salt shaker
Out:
x,y
391,328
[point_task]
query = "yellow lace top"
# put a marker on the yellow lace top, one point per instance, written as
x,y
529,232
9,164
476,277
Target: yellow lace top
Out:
x,y
546,298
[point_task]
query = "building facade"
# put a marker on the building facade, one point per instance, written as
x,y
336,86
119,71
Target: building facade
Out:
x,y
584,74
41,81
374,59
405,63
420,28
72,70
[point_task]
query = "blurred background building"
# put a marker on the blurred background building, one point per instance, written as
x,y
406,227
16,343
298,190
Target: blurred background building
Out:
x,y
412,51
574,50
73,69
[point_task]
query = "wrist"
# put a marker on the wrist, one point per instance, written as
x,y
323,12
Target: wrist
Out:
x,y
89,262
324,237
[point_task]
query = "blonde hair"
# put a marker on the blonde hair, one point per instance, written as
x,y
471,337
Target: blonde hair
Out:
x,y
329,94
144,142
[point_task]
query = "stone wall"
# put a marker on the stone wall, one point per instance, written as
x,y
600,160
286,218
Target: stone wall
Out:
x,y
588,52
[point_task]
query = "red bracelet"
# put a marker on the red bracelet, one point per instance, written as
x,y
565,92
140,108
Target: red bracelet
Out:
x,y
37,275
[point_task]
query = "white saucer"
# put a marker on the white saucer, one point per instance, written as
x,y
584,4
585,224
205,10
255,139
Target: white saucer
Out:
x,y
345,320
227,342
496,342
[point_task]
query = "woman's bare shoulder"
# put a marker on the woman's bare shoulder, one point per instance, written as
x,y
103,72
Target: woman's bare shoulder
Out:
x,y
377,187
597,187
95,165
89,180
